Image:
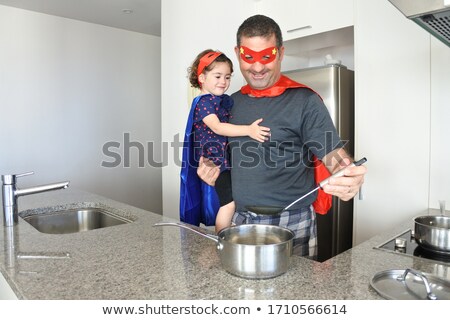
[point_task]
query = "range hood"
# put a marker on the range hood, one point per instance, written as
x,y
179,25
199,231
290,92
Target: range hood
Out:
x,y
432,15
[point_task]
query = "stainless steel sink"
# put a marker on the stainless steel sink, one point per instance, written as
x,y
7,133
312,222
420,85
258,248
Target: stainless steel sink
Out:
x,y
74,220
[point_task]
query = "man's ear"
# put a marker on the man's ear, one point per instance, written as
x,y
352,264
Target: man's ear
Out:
x,y
238,54
281,53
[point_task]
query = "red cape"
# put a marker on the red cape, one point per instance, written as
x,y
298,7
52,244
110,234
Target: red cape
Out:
x,y
324,200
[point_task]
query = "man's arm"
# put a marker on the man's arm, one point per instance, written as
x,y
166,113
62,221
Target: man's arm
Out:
x,y
347,186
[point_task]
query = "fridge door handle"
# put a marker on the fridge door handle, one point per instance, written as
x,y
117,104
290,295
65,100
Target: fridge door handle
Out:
x,y
361,193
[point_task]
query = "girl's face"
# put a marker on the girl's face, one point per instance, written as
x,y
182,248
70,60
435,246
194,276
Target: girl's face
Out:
x,y
217,80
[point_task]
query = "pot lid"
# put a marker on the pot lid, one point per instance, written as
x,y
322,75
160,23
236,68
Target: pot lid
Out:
x,y
410,284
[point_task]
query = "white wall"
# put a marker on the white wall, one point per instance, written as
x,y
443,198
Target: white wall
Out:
x,y
392,80
68,87
440,124
188,27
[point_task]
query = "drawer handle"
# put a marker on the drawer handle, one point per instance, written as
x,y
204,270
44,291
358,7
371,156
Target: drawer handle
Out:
x,y
300,28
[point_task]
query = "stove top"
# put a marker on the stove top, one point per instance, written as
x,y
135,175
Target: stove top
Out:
x,y
405,244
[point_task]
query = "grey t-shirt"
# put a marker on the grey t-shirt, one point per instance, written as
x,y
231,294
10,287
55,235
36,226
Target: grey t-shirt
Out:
x,y
277,172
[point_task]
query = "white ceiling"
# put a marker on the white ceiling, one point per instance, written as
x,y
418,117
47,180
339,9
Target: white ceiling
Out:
x,y
145,16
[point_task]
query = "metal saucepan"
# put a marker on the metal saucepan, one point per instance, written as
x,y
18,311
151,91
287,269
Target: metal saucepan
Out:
x,y
433,233
252,251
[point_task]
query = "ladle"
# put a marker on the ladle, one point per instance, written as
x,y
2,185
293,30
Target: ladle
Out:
x,y
277,210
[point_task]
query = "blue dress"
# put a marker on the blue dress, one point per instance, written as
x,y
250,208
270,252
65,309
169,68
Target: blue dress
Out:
x,y
199,202
207,143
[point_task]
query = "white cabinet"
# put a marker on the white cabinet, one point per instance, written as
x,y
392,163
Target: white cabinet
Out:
x,y
300,18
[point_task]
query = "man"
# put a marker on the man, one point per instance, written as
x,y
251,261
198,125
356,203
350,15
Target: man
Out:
x,y
277,172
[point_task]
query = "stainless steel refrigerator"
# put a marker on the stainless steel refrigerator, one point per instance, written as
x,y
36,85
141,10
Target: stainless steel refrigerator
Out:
x,y
335,84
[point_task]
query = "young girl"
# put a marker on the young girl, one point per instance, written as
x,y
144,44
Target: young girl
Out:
x,y
211,73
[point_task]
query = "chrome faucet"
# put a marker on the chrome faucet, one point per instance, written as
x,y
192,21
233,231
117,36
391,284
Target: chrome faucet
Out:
x,y
10,193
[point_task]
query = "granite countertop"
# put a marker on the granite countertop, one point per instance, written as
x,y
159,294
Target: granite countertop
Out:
x,y
139,261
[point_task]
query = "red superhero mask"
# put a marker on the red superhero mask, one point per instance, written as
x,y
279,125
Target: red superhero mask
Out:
x,y
264,56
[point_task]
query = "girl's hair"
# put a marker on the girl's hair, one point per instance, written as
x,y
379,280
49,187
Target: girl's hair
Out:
x,y
192,70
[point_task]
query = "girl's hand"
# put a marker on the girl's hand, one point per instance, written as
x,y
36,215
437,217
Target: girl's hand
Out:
x,y
208,171
257,132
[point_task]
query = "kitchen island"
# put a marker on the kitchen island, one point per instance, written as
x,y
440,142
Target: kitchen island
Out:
x,y
140,261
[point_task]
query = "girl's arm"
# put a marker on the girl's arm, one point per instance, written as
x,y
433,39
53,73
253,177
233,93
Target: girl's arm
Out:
x,y
254,130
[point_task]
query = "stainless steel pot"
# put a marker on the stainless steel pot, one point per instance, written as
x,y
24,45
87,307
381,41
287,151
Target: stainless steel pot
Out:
x,y
252,251
433,233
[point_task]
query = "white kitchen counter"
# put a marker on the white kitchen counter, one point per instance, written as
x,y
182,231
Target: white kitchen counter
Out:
x,y
139,261
6,293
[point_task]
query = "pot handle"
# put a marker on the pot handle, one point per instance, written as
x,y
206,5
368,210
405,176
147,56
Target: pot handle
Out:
x,y
190,227
430,295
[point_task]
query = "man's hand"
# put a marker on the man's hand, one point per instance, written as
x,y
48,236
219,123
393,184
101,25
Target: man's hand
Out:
x,y
208,171
347,186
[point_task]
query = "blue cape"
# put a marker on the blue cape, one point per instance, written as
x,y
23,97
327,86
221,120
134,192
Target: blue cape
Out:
x,y
199,202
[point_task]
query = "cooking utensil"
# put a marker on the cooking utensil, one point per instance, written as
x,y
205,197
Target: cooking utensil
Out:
x,y
252,251
442,207
410,284
266,210
433,233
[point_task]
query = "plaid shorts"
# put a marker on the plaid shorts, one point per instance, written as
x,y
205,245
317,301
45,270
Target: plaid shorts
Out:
x,y
302,222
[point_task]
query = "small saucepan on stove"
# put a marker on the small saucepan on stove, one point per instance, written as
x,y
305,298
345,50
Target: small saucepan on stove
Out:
x,y
433,233
252,251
